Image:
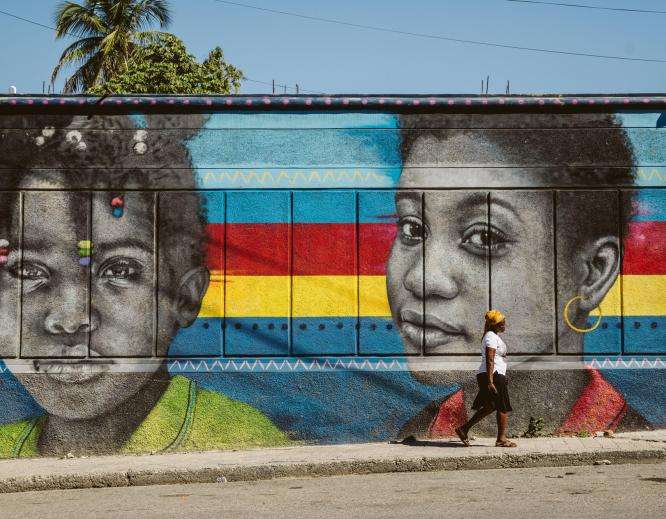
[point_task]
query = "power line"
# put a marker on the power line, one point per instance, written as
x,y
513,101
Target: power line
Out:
x,y
439,37
28,21
584,6
43,26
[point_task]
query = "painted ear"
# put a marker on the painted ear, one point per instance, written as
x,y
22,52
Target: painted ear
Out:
x,y
598,268
193,286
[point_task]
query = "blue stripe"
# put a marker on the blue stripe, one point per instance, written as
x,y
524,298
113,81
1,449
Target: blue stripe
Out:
x,y
270,336
258,207
298,178
376,207
302,120
646,334
324,207
203,338
214,206
327,336
650,205
256,336
320,148
250,336
649,145
379,336
635,119
606,339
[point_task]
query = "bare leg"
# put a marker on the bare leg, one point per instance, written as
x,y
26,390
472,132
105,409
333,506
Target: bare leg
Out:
x,y
502,424
478,416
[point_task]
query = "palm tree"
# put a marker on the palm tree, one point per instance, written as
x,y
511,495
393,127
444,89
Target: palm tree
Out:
x,y
107,32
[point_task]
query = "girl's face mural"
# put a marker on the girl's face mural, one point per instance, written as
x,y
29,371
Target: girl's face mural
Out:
x,y
459,252
86,307
450,248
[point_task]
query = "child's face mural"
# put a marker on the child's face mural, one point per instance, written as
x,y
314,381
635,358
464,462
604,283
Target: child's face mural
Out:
x,y
459,252
447,236
83,311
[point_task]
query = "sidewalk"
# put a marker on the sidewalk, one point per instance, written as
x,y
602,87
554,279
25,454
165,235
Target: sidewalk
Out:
x,y
304,461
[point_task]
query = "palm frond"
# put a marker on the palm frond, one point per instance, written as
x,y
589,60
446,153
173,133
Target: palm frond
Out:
x,y
78,20
77,52
148,12
143,38
109,31
85,76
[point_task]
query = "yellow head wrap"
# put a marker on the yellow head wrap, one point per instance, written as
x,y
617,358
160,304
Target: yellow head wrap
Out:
x,y
494,317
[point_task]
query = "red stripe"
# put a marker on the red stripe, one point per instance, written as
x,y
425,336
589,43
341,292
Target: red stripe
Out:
x,y
329,249
260,249
375,240
215,249
322,249
319,249
645,249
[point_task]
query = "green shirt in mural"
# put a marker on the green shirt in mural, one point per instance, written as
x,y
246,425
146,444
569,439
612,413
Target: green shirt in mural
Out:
x,y
186,418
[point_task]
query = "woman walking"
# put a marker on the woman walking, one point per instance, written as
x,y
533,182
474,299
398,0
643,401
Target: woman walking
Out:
x,y
493,392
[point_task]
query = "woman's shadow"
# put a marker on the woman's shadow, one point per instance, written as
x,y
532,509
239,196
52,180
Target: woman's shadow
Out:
x,y
412,441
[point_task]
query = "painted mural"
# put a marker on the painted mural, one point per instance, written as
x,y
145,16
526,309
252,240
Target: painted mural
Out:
x,y
248,278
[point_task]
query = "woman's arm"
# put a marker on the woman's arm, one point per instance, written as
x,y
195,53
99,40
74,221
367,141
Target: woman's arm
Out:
x,y
490,368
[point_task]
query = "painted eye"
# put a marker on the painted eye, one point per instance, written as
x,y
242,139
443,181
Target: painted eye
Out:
x,y
33,275
121,269
480,239
32,272
411,229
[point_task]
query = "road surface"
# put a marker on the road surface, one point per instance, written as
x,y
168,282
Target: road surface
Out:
x,y
603,492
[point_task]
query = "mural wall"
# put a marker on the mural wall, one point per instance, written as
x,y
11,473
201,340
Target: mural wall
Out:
x,y
236,277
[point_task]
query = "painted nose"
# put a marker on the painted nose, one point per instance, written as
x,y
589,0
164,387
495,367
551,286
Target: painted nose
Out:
x,y
72,316
440,276
414,279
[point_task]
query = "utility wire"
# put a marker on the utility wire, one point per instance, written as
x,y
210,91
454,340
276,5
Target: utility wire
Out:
x,y
439,37
584,6
43,26
27,20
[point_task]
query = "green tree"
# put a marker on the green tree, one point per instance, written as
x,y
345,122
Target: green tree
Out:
x,y
108,32
165,67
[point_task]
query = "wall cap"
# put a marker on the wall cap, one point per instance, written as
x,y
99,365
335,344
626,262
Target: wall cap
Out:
x,y
337,102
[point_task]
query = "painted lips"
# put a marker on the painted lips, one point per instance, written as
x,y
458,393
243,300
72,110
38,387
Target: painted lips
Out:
x,y
73,370
432,330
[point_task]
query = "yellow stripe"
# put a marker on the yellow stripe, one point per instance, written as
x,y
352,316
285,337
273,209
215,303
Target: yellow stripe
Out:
x,y
336,296
373,299
213,301
258,296
325,296
610,305
644,295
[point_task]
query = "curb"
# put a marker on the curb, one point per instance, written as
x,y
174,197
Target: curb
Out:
x,y
237,473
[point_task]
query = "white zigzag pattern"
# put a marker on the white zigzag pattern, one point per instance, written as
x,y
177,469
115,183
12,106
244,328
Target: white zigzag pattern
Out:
x,y
652,175
631,363
215,179
258,365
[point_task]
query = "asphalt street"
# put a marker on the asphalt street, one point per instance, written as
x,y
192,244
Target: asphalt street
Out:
x,y
604,491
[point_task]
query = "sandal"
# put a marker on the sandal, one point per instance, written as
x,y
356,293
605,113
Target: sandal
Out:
x,y
463,437
505,443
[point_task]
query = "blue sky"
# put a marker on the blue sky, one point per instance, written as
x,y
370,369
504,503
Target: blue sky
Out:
x,y
329,58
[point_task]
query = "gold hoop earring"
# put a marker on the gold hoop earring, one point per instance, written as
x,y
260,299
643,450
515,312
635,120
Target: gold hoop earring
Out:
x,y
575,328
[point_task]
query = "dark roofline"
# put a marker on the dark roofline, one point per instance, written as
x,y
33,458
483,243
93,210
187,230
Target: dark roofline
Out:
x,y
13,103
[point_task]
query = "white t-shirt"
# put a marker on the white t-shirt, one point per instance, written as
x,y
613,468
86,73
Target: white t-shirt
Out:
x,y
492,340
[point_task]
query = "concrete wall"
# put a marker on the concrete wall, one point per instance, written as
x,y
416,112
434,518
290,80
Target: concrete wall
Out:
x,y
209,276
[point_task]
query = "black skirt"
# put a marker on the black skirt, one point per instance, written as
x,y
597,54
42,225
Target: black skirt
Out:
x,y
498,401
